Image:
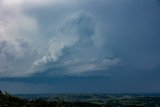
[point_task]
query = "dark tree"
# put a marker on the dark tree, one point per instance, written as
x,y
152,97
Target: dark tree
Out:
x,y
1,92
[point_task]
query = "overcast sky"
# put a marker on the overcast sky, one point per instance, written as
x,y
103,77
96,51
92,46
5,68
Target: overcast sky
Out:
x,y
79,46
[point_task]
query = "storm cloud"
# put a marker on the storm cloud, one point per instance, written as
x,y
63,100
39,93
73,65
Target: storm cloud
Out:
x,y
73,51
80,45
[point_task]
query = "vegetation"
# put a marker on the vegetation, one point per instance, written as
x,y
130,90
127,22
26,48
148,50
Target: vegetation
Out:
x,y
81,100
7,100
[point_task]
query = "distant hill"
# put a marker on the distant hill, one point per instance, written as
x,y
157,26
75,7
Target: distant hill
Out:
x,y
7,100
79,100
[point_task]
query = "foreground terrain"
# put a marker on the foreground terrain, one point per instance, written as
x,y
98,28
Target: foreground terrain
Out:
x,y
80,100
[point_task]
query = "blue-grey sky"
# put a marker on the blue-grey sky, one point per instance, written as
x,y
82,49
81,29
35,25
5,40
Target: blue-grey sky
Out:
x,y
79,46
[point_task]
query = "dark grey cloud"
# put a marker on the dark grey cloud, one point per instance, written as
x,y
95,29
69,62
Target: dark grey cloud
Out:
x,y
158,1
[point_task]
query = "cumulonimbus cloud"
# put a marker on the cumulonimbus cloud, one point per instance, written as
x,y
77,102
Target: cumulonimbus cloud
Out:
x,y
16,57
16,51
73,52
